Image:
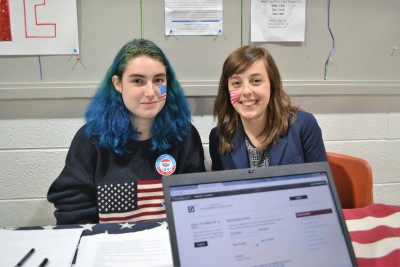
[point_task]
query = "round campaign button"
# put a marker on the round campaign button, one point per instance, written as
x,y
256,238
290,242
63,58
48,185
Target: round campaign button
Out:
x,y
165,165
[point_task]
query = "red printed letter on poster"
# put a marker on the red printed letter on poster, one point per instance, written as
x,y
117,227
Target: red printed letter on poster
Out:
x,y
5,25
34,28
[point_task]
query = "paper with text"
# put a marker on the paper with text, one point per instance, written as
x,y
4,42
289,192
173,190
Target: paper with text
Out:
x,y
193,17
143,248
278,20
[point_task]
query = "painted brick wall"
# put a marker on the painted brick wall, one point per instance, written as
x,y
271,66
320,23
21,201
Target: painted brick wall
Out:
x,y
35,136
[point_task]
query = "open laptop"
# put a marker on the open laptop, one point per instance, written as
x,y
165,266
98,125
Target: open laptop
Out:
x,y
275,216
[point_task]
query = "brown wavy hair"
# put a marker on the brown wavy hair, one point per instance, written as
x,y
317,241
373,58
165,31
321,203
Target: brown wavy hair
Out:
x,y
279,109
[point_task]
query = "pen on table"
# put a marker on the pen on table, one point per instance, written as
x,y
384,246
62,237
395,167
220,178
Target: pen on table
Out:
x,y
44,262
25,258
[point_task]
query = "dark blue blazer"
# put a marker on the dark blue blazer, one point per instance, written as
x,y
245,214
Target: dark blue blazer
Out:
x,y
303,143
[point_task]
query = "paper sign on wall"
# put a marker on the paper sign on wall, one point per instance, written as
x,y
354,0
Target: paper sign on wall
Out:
x,y
193,17
277,20
38,27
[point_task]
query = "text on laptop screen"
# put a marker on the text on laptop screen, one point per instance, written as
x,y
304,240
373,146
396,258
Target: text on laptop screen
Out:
x,y
279,221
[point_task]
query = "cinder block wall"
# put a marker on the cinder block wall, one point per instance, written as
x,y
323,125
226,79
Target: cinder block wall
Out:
x,y
35,136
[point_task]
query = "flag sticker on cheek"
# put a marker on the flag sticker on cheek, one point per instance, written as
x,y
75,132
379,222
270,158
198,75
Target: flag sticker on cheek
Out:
x,y
163,91
234,95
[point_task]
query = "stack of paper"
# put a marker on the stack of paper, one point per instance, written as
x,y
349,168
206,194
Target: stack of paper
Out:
x,y
144,248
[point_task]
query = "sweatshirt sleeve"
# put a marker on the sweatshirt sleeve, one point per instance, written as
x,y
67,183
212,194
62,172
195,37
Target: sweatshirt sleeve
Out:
x,y
193,156
73,192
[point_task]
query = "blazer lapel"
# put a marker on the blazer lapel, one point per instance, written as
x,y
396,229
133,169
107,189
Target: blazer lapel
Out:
x,y
276,152
239,154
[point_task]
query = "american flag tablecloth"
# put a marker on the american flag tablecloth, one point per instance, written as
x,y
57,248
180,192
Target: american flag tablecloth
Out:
x,y
375,234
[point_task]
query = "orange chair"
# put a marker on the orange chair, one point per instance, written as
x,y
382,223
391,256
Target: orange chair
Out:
x,y
353,180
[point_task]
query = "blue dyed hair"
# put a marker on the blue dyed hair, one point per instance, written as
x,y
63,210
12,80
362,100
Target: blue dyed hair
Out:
x,y
109,120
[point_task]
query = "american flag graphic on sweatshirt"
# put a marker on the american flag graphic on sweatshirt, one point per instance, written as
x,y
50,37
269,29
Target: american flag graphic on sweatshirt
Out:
x,y
375,234
130,201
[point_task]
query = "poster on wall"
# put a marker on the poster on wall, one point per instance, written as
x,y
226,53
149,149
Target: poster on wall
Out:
x,y
278,20
193,17
38,27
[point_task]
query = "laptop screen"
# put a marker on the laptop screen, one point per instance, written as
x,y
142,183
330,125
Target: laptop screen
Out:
x,y
257,219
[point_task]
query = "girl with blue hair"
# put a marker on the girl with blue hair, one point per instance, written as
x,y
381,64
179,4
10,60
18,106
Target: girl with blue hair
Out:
x,y
138,128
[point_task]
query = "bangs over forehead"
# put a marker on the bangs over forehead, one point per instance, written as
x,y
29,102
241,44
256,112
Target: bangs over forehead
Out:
x,y
241,59
136,49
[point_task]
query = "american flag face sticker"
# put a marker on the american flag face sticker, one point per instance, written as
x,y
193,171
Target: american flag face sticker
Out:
x,y
163,91
234,95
